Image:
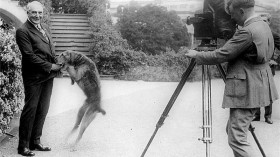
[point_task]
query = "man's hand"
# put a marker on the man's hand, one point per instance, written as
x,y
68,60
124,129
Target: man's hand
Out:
x,y
191,53
272,62
56,67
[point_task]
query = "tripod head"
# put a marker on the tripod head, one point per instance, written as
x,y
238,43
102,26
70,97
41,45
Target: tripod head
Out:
x,y
206,45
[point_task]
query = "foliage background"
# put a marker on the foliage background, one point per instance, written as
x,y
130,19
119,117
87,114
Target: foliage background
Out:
x,y
275,26
275,21
152,29
108,46
114,55
68,7
11,86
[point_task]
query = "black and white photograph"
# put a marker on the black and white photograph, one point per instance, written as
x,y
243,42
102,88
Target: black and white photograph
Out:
x,y
140,78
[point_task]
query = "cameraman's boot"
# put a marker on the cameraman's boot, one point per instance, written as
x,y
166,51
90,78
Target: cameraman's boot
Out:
x,y
257,116
268,120
267,115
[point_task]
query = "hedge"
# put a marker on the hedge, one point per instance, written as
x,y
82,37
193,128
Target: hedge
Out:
x,y
169,66
11,85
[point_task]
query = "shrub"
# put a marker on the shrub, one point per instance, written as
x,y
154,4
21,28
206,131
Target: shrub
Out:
x,y
109,49
118,61
11,86
166,67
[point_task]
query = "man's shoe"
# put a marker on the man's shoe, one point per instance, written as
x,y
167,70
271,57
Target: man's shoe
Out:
x,y
25,152
269,121
39,147
256,119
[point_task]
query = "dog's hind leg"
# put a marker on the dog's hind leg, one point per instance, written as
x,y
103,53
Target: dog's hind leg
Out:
x,y
80,115
87,119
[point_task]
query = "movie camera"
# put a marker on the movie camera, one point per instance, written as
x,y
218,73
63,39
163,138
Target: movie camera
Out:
x,y
211,25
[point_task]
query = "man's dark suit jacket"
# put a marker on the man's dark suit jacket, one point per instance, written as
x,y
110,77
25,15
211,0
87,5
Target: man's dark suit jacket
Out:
x,y
37,54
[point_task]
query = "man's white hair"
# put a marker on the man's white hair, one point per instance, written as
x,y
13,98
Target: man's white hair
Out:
x,y
32,4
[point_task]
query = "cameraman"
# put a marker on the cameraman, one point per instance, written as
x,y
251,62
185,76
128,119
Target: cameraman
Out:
x,y
249,81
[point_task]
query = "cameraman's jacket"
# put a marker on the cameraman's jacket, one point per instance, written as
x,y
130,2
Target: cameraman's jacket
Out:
x,y
249,81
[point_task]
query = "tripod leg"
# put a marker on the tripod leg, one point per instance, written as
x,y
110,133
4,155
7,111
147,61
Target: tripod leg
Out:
x,y
177,92
171,102
206,108
221,71
251,129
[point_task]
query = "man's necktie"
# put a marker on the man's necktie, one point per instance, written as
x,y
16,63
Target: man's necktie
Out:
x,y
42,31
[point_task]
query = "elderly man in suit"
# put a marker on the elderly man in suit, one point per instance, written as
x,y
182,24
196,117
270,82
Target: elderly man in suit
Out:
x,y
38,70
249,80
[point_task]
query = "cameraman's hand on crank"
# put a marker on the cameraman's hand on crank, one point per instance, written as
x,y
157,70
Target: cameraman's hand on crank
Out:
x,y
191,53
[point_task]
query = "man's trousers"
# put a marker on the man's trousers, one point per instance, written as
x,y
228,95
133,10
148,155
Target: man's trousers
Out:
x,y
237,130
37,101
268,112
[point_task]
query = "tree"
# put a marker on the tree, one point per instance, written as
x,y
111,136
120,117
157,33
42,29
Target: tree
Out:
x,y
152,29
105,37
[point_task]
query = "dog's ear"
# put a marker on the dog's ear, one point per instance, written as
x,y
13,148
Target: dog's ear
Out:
x,y
63,54
66,56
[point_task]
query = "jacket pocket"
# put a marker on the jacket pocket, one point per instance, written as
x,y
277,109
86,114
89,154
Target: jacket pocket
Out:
x,y
236,85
